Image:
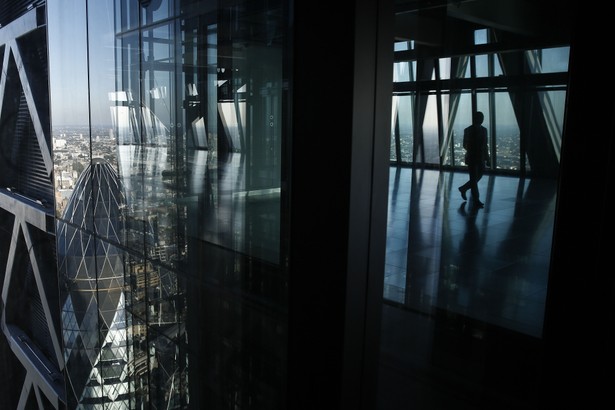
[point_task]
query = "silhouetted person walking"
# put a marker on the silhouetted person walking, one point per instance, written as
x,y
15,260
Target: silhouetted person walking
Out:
x,y
477,154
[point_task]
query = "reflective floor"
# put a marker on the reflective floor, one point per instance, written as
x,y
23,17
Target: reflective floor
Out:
x,y
465,290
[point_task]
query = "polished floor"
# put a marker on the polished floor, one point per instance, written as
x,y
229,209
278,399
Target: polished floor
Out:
x,y
465,290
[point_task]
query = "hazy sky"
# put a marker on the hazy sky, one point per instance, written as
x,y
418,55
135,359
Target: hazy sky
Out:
x,y
68,61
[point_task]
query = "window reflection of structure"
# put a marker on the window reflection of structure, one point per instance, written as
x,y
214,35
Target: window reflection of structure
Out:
x,y
433,98
199,148
154,302
200,133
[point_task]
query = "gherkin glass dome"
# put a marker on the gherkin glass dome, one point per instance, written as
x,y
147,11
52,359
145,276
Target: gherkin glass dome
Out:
x,y
93,312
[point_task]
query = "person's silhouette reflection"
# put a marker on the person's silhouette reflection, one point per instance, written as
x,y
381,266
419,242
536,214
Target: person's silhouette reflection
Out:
x,y
469,244
477,155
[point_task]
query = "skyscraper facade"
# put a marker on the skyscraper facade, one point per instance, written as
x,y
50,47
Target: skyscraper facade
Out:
x,y
149,192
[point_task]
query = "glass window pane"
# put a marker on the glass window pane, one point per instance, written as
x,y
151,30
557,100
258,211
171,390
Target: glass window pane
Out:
x,y
506,134
445,68
480,36
460,116
67,82
497,68
403,115
403,71
482,65
554,102
431,144
183,117
555,60
156,10
401,46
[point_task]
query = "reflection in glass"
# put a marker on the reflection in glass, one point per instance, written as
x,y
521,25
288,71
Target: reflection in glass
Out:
x,y
187,121
482,65
460,113
93,316
507,150
403,123
480,36
199,131
556,59
467,285
430,153
438,115
443,253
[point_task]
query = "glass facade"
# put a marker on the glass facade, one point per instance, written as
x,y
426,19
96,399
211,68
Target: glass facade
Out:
x,y
458,65
469,272
443,93
168,124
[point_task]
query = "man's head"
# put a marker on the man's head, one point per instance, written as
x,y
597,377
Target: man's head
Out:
x,y
478,118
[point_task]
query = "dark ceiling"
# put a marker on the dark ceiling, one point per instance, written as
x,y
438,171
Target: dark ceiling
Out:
x,y
449,25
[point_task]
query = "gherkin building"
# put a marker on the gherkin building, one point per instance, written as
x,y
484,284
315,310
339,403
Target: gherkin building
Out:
x,y
93,313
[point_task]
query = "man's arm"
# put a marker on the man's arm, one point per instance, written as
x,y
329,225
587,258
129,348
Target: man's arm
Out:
x,y
465,138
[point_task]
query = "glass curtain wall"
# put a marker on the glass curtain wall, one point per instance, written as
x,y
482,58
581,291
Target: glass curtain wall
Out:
x,y
433,99
169,121
522,95
466,282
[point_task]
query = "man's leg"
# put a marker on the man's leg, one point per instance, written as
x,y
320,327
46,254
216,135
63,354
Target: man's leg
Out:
x,y
475,176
